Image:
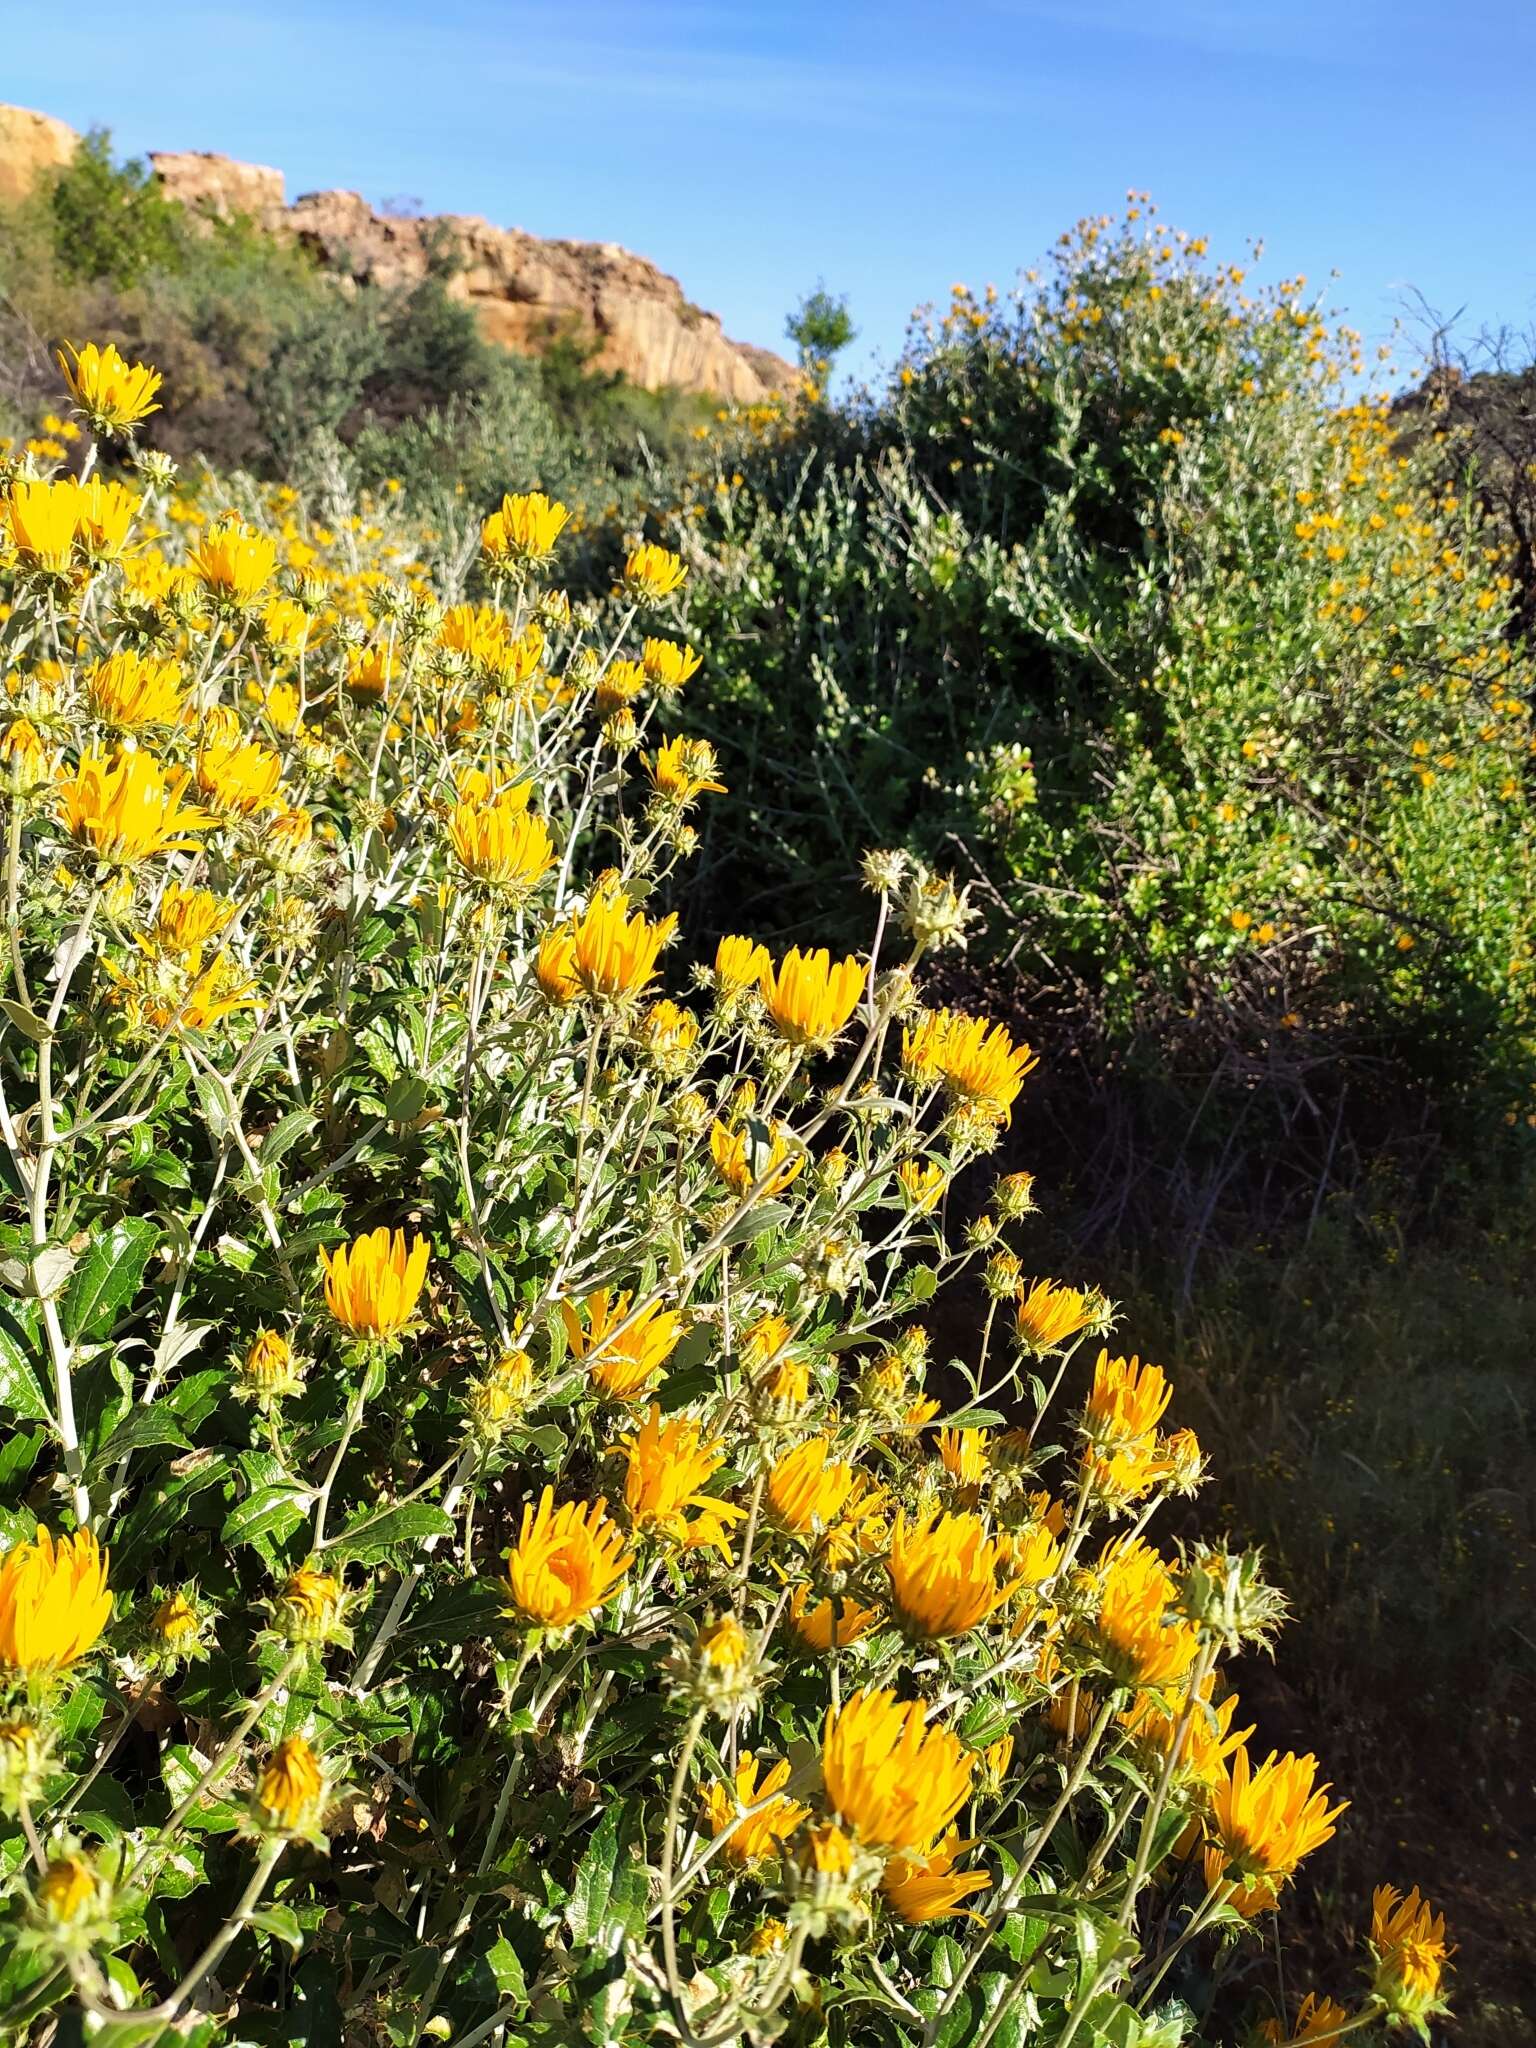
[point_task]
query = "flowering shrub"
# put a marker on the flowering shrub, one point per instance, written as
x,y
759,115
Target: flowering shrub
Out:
x,y
482,1554
1128,585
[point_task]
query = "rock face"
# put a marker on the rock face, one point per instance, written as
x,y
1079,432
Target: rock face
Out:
x,y
526,293
31,145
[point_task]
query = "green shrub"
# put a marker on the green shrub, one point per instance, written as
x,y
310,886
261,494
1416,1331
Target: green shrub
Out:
x,y
1118,602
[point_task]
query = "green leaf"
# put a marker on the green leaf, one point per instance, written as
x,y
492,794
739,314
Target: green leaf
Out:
x,y
140,1430
108,1277
21,1393
502,1961
376,1530
608,1892
457,1614
281,1922
271,1511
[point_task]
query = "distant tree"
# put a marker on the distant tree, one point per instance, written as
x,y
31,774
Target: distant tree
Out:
x,y
821,327
111,221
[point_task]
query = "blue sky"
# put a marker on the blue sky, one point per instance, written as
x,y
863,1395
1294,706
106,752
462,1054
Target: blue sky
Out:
x,y
891,149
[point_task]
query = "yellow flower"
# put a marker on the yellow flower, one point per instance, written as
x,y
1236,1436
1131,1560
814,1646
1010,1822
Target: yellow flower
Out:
x,y
1209,1738
54,1602
1036,1553
668,1032
233,563
131,691
105,513
174,1621
922,1888
652,573
613,955
668,666
1410,1950
26,762
68,1891
896,1782
808,999
237,777
1126,1402
757,1836
1317,2019
922,1185
373,1285
667,1468
623,1364
1049,1314
44,519
977,1060
502,844
554,967
618,686
126,810
739,963
1267,1820
113,394
1139,1641
308,1609
566,1561
830,1623
948,1573
742,1157
683,770
291,1788
963,1453
524,528
186,919
808,1488
269,1371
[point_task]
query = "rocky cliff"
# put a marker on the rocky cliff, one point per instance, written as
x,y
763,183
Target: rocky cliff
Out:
x,y
526,292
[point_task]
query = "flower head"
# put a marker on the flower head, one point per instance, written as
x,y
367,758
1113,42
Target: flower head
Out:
x,y
566,1561
976,1060
808,1488
625,1353
1136,1633
613,955
1409,1948
754,1152
652,573
1126,1402
667,1466
809,999
524,528
554,968
233,563
114,395
127,810
948,1573
921,1888
372,1285
830,1624
1048,1314
896,1781
502,844
739,964
683,770
132,691
668,666
752,1836
290,1790
44,521
1266,1820
54,1602
237,777
1317,2019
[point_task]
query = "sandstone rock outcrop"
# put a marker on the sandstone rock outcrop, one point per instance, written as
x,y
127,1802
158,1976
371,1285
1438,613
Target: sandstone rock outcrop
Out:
x,y
526,292
31,145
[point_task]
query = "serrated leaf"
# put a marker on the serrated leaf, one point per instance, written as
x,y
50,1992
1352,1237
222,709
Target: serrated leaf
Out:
x,y
274,1511
108,1277
140,1430
376,1530
21,1390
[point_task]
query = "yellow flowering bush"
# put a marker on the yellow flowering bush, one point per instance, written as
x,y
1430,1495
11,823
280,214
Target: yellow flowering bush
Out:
x,y
485,1555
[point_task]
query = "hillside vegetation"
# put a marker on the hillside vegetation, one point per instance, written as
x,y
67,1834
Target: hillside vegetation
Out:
x,y
1125,675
